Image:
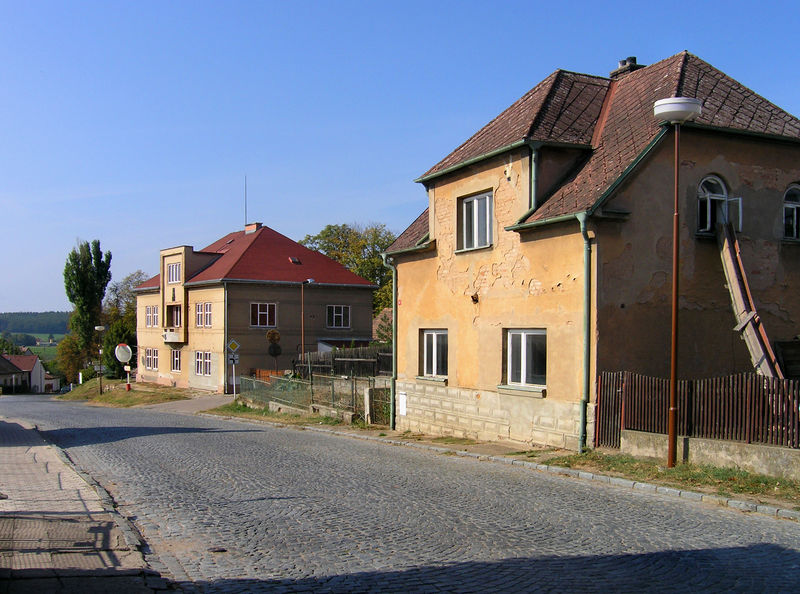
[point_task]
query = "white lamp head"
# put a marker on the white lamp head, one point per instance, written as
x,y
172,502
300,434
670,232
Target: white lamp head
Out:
x,y
677,110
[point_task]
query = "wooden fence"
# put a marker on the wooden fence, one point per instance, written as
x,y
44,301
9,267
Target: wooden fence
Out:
x,y
368,361
745,407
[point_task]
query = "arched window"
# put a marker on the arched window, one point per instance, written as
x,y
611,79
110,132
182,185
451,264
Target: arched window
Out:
x,y
711,195
791,212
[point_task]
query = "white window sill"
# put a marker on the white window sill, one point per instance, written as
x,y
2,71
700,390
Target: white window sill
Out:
x,y
475,249
528,391
434,379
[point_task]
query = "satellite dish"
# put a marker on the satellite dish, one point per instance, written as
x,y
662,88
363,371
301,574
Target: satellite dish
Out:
x,y
123,353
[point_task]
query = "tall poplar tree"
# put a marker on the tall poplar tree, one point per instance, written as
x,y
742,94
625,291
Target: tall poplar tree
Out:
x,y
86,275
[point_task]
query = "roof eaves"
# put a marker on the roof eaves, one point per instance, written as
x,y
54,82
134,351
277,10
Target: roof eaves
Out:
x,y
541,222
250,281
493,153
419,247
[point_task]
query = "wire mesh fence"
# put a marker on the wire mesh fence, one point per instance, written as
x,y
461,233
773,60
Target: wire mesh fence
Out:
x,y
366,397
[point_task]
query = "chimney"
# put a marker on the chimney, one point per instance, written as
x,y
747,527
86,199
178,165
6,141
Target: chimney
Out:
x,y
625,66
251,228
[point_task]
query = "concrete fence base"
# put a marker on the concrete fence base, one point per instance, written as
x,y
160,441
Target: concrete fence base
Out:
x,y
761,459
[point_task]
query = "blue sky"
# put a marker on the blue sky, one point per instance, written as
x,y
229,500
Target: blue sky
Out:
x,y
135,123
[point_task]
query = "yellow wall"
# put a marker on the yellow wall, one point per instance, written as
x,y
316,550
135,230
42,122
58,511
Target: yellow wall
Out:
x,y
529,281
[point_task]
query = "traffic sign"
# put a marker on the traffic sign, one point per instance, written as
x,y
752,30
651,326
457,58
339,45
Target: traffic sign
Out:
x,y
233,346
233,358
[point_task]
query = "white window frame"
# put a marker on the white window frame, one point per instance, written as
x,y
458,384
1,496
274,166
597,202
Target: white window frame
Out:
x,y
791,207
259,313
434,346
198,315
335,316
476,215
151,359
207,363
176,360
198,363
173,273
148,316
523,333
208,314
708,202
155,316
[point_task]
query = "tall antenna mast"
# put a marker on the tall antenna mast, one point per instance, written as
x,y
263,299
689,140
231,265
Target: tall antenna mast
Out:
x,y
245,201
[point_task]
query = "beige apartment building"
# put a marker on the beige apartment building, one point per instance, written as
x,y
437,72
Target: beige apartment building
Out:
x,y
232,293
544,254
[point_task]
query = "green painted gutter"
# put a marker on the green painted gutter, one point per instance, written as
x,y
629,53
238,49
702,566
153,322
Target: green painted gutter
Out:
x,y
503,149
388,262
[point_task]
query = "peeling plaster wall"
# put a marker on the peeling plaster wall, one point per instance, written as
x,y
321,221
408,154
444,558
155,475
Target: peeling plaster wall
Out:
x,y
635,269
531,281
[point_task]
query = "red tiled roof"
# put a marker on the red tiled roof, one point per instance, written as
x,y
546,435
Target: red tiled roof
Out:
x,y
7,366
23,362
566,108
266,255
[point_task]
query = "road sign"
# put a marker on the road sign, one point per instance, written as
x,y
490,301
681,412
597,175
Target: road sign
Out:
x,y
233,359
233,346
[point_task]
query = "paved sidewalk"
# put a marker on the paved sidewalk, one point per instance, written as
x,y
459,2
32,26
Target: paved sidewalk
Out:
x,y
57,533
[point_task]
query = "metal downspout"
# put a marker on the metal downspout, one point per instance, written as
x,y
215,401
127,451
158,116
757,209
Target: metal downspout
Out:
x,y
532,165
388,262
587,302
225,339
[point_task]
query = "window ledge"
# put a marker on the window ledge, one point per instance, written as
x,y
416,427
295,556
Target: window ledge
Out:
x,y
434,379
790,241
529,391
475,249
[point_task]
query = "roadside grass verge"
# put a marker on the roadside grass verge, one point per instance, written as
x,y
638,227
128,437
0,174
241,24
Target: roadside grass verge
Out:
x,y
115,395
727,482
235,409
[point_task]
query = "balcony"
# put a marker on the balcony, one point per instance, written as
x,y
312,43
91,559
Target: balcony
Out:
x,y
172,335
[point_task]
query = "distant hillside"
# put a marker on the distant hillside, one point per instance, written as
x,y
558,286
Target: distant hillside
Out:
x,y
32,322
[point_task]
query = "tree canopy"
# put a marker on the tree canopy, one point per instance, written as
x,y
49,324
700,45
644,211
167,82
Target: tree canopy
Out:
x,y
357,247
86,276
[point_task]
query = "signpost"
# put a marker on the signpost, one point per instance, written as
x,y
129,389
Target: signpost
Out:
x,y
123,353
233,359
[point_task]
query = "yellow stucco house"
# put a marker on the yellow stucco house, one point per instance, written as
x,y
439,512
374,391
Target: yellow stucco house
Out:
x,y
237,290
544,255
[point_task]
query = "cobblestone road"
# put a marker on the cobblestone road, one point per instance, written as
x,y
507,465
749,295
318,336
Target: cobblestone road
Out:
x,y
299,511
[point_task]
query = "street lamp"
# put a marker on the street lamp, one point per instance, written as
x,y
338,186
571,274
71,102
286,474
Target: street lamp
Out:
x,y
308,281
675,110
100,329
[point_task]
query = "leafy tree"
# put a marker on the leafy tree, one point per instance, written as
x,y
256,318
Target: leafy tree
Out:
x,y
71,358
118,332
86,276
121,296
8,347
358,248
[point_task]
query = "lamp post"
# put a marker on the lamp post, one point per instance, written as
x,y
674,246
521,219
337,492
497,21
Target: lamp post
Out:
x,y
675,110
100,329
308,281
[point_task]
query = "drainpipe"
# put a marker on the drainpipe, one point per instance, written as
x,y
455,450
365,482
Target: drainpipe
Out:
x,y
388,262
532,165
587,302
225,336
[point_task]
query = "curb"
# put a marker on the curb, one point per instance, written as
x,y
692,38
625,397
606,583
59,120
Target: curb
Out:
x,y
737,504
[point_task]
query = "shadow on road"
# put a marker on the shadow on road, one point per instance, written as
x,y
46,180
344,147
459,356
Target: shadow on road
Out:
x,y
75,437
755,568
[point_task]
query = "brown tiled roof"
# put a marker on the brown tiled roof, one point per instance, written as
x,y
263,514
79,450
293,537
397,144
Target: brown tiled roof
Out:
x,y
412,235
562,108
266,255
566,108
